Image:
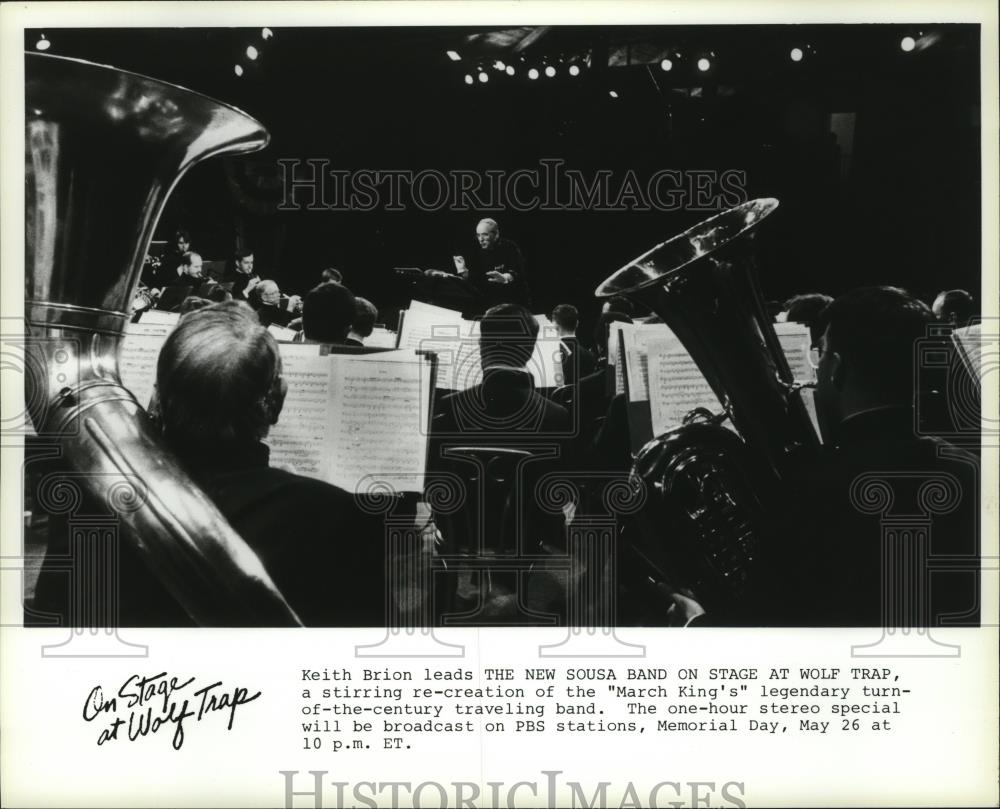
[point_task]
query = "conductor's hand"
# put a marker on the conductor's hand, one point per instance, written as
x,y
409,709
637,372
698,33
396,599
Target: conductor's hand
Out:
x,y
495,277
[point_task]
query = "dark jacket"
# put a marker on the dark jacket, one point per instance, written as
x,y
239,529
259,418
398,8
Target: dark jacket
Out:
x,y
505,257
856,518
321,550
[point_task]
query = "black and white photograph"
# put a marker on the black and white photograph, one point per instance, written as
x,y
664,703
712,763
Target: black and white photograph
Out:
x,y
460,329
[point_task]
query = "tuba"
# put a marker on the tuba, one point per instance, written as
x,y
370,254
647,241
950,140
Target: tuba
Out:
x,y
712,492
103,150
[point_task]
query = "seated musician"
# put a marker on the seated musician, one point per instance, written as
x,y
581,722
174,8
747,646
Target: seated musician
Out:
x,y
505,403
186,272
241,275
831,565
505,412
166,266
577,360
220,388
265,298
365,315
327,314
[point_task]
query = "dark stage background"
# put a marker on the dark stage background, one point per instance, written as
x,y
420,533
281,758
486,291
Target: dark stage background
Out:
x,y
896,202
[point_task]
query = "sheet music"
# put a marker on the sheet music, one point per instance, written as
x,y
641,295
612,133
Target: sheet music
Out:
x,y
298,441
456,342
159,317
378,420
796,341
636,337
350,416
676,385
282,334
381,338
453,339
137,356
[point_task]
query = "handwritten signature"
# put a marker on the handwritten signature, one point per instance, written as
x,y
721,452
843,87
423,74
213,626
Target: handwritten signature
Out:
x,y
153,703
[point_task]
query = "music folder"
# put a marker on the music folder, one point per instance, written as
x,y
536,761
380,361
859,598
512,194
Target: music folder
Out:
x,y
356,417
663,383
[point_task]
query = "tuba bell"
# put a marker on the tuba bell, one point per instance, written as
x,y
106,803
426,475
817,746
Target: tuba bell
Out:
x,y
712,493
103,150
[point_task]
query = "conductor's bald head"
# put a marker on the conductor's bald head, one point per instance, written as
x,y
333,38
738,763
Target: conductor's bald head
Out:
x,y
487,233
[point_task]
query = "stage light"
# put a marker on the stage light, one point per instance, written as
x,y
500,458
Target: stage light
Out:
x,y
704,64
453,55
266,34
574,70
533,73
238,70
550,71
796,54
484,77
666,65
469,79
613,93
42,44
499,65
907,44
252,52
510,70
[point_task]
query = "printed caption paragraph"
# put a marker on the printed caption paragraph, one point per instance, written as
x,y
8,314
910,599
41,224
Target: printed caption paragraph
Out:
x,y
387,709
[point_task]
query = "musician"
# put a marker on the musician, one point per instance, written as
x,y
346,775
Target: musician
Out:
x,y
328,311
505,411
169,262
365,315
241,274
265,298
577,360
505,403
219,390
493,274
828,564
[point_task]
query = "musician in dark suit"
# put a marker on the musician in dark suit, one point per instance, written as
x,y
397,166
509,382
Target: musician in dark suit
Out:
x,y
265,299
882,508
365,315
487,276
241,275
166,266
505,411
186,272
505,405
219,390
328,311
577,360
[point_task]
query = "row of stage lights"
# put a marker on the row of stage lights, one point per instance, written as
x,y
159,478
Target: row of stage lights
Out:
x,y
907,44
549,70
704,63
